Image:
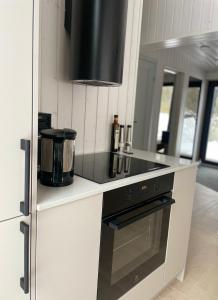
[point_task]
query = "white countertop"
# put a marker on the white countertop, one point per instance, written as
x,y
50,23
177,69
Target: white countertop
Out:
x,y
49,197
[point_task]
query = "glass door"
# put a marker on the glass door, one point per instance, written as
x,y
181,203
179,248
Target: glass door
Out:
x,y
190,118
209,153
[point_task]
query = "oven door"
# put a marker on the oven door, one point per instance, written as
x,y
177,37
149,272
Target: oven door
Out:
x,y
133,245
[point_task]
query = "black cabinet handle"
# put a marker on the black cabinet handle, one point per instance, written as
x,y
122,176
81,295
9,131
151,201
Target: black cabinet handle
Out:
x,y
24,281
24,205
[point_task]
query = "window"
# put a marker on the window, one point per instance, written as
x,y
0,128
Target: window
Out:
x,y
164,117
190,119
212,143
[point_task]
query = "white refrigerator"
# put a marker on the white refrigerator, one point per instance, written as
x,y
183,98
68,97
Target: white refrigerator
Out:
x,y
16,57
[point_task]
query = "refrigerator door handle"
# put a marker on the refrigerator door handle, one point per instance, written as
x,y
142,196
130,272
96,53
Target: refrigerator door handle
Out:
x,y
24,281
24,205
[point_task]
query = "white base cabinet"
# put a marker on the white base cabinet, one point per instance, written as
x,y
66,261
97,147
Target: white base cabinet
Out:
x,y
68,242
180,223
12,260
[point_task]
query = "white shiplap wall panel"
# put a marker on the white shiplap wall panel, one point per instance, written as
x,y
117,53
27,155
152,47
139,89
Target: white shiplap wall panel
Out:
x,y
205,15
113,101
78,115
102,141
112,110
90,118
123,90
212,15
65,105
173,19
88,110
169,15
145,20
159,21
177,18
153,12
196,15
214,22
49,83
135,46
65,89
186,17
138,32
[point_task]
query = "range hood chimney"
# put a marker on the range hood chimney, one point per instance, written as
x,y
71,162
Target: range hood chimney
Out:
x,y
97,31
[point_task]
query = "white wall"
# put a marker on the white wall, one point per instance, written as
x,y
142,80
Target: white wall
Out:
x,y
89,110
144,94
212,76
177,113
173,59
173,19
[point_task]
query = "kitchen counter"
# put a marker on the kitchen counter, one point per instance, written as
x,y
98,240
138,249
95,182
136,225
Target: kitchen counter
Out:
x,y
49,197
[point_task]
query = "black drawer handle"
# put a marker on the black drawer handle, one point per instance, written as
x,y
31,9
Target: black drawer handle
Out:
x,y
24,205
24,281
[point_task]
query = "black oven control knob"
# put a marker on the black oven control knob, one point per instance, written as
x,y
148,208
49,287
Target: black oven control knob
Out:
x,y
156,187
130,191
144,188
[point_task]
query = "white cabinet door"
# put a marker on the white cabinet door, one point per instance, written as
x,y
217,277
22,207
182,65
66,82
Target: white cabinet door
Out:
x,y
16,17
68,242
180,223
12,260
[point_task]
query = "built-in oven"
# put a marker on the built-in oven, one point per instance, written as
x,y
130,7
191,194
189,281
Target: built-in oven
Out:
x,y
134,234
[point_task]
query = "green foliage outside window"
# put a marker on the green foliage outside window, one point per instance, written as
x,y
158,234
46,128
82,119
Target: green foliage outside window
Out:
x,y
213,135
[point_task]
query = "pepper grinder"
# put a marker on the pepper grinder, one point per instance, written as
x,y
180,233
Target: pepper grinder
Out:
x,y
128,144
121,140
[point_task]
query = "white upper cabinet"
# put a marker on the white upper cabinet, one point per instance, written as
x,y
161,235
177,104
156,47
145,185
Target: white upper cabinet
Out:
x,y
16,18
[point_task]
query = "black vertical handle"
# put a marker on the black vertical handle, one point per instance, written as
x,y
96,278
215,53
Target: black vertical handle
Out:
x,y
24,205
24,281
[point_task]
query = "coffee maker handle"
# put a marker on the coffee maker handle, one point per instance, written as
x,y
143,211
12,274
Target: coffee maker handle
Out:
x,y
24,205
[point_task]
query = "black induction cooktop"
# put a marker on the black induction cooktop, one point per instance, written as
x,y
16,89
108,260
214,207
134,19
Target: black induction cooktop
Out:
x,y
105,167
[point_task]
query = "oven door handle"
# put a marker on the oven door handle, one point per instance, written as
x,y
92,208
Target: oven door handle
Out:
x,y
138,213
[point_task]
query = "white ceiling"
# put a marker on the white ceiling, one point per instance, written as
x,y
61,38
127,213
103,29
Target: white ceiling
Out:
x,y
191,46
207,59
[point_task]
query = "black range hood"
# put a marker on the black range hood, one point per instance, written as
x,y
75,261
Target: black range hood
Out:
x,y
97,31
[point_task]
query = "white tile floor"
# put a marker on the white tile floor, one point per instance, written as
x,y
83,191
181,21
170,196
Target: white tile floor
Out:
x,y
201,280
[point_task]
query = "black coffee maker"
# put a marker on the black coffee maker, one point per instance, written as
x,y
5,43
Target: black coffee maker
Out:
x,y
44,122
57,157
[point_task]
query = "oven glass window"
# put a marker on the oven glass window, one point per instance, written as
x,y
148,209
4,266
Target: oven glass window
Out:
x,y
135,245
